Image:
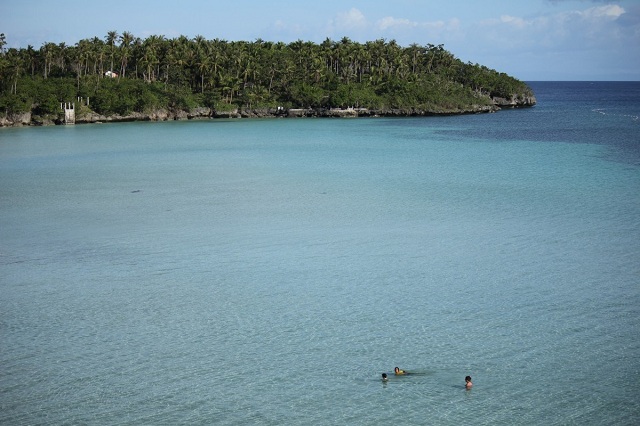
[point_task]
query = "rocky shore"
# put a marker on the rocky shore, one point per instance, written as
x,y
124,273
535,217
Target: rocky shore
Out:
x,y
88,116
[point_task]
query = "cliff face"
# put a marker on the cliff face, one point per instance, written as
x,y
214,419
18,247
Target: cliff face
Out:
x,y
16,120
515,101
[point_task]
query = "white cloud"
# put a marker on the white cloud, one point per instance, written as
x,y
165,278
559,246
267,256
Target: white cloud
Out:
x,y
610,11
587,39
514,21
350,20
284,30
391,22
432,30
570,27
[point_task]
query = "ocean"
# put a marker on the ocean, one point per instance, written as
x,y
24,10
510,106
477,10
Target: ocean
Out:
x,y
268,271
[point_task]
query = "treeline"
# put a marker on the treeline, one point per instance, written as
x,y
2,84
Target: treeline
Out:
x,y
122,73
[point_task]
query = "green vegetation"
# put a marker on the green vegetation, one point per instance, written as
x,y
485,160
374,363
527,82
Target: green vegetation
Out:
x,y
181,74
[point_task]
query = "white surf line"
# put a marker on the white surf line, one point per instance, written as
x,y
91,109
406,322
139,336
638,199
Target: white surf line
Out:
x,y
602,111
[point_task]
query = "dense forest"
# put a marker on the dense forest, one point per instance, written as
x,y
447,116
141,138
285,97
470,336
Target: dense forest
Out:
x,y
121,74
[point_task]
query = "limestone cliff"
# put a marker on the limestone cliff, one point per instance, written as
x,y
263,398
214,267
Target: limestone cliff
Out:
x,y
85,115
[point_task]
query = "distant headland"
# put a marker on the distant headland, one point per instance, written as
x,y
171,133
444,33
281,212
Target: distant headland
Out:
x,y
125,78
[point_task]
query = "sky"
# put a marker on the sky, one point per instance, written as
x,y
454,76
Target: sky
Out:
x,y
532,40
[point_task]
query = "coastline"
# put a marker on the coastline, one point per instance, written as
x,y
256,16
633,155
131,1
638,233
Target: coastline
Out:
x,y
90,117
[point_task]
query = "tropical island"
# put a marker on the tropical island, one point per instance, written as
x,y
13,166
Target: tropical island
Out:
x,y
126,78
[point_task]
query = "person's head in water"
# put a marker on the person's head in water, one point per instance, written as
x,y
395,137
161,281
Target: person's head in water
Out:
x,y
398,371
468,383
384,377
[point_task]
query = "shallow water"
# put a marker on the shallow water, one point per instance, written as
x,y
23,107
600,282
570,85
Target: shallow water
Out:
x,y
268,271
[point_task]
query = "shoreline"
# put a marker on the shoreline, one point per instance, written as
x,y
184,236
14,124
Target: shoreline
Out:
x,y
85,116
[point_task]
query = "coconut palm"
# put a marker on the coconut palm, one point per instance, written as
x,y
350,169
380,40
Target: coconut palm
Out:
x,y
125,50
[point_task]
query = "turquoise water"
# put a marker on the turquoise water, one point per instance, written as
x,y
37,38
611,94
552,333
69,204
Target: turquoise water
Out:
x,y
268,271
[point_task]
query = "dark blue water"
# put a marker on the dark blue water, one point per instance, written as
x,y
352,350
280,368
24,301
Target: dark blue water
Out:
x,y
603,113
268,271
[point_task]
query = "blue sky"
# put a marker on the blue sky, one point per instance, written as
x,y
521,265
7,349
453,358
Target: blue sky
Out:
x,y
529,39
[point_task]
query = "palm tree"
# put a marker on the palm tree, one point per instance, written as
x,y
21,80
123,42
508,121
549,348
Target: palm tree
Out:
x,y
79,55
32,58
150,51
125,49
202,58
111,38
61,57
15,62
415,52
75,55
47,51
135,55
182,57
97,53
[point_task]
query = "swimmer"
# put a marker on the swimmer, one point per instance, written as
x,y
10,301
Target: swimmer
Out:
x,y
399,372
384,377
468,383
